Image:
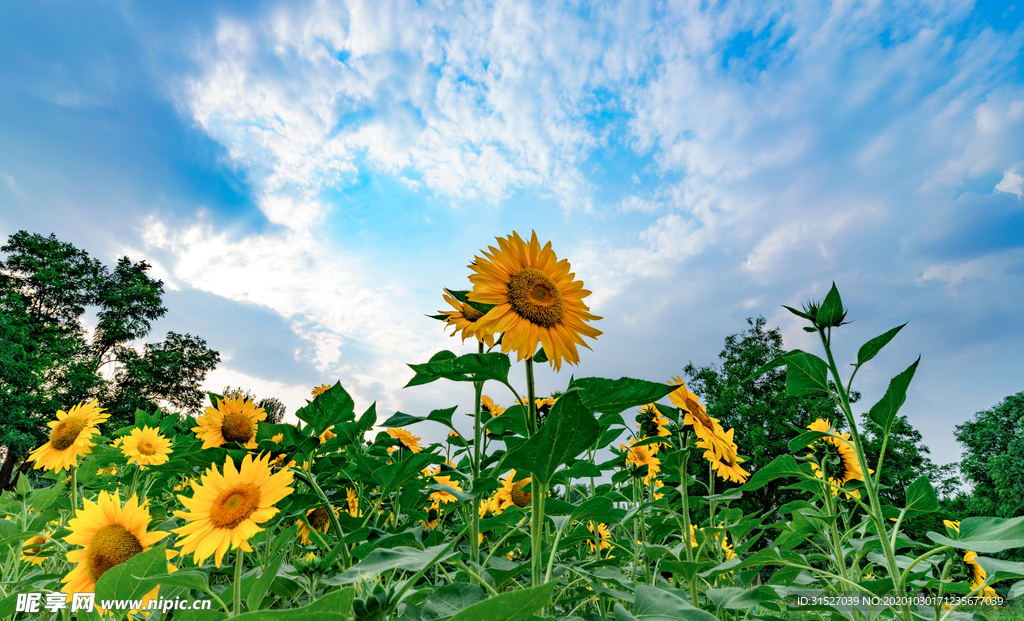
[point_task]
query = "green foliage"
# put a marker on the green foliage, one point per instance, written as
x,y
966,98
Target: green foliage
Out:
x,y
993,462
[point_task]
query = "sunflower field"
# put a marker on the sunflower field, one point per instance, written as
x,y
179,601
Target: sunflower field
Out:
x,y
578,505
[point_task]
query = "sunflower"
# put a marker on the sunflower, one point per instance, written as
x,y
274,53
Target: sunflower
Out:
x,y
110,533
657,484
146,447
225,508
696,415
277,438
352,499
319,519
233,420
836,445
69,437
728,466
978,576
488,405
651,422
319,390
603,535
465,319
408,440
643,455
535,298
445,496
327,434
510,493
433,515
30,550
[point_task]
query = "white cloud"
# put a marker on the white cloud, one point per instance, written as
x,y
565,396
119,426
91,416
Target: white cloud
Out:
x,y
1012,183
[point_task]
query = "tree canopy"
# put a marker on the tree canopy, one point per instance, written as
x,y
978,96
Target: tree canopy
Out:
x,y
51,362
993,460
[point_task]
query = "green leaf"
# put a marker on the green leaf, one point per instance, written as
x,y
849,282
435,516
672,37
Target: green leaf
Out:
x,y
598,509
781,466
734,598
806,439
122,581
884,412
831,312
805,374
870,349
400,419
467,368
540,356
570,429
921,497
393,476
262,584
653,604
796,312
511,605
333,606
463,296
382,560
777,361
985,535
998,569
451,599
195,580
330,407
605,396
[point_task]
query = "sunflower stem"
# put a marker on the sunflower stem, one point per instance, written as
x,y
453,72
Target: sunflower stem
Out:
x,y
74,490
238,582
474,517
310,480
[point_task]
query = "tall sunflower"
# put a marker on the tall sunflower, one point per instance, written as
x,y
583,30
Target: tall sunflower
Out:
x,y
225,508
510,493
319,519
488,405
465,318
832,446
974,569
651,422
706,428
727,467
233,420
32,548
603,535
535,298
146,447
69,437
643,455
110,533
445,496
405,436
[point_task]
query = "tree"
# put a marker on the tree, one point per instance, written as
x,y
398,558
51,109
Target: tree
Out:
x,y
993,458
906,459
764,416
274,407
51,363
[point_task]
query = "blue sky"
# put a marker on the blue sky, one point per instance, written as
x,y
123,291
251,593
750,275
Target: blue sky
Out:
x,y
307,176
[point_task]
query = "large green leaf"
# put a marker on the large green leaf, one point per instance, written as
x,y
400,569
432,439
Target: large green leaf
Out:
x,y
985,535
598,509
509,606
781,466
393,476
734,598
262,584
884,412
653,604
805,374
467,368
998,569
386,559
333,606
606,396
450,599
569,430
400,419
921,497
870,349
330,407
121,581
806,438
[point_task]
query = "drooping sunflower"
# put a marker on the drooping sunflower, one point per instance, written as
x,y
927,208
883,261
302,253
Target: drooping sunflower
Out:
x,y
643,455
987,595
319,519
603,535
652,423
836,445
536,300
233,420
510,493
69,437
146,447
706,428
408,440
110,533
727,467
225,509
465,318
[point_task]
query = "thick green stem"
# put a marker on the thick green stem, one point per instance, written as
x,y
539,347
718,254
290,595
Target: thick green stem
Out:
x,y
310,480
540,492
531,397
474,514
238,582
74,490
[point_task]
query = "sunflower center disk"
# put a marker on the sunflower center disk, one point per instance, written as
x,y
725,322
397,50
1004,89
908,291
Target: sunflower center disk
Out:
x,y
471,314
110,546
66,432
237,427
520,498
146,448
234,505
534,296
318,518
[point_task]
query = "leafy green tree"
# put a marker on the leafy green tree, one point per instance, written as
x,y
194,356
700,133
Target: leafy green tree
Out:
x,y
51,363
993,460
764,416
